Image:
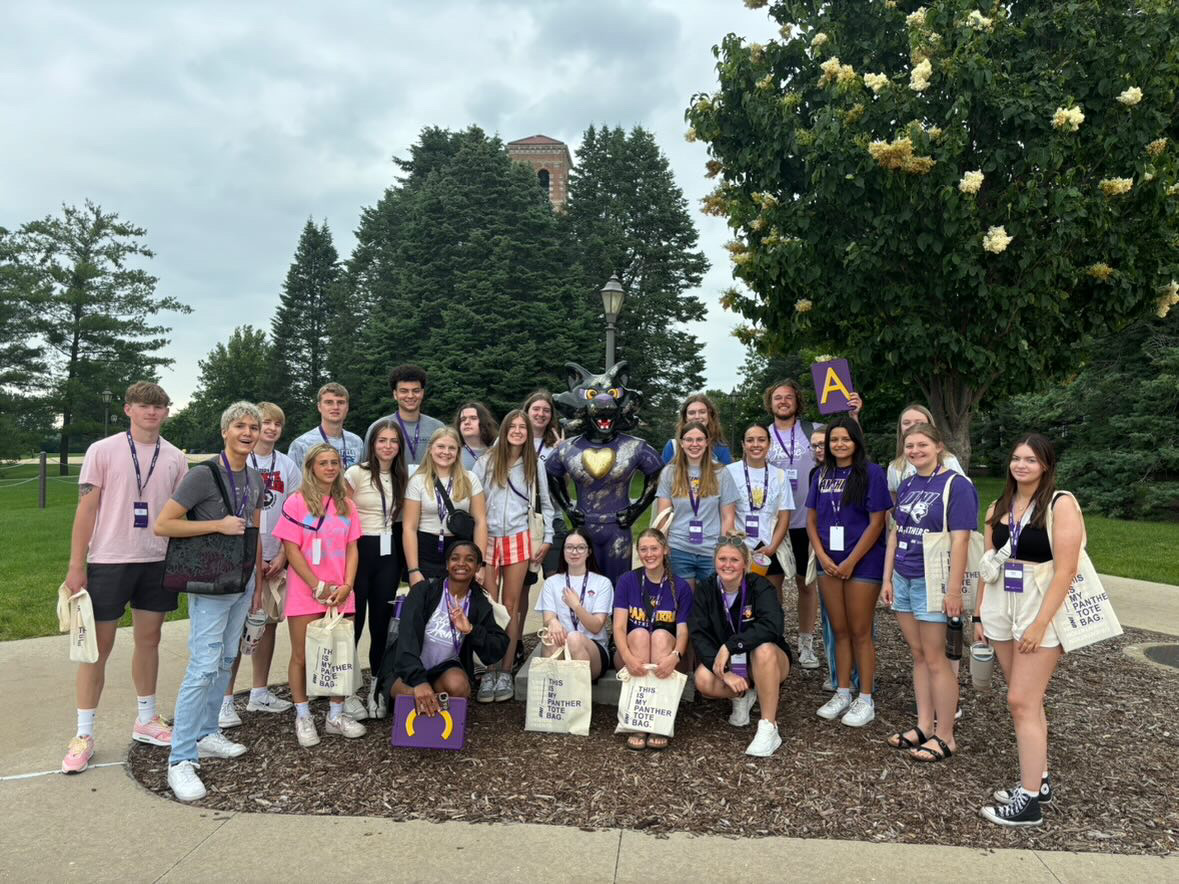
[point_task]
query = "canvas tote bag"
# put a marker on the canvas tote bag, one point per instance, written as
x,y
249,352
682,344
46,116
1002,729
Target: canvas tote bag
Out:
x,y
560,696
936,552
331,656
649,704
75,615
1087,615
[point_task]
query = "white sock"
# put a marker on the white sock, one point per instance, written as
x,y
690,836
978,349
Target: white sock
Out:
x,y
259,694
1044,775
335,709
806,640
867,698
1035,794
86,722
844,693
147,708
303,710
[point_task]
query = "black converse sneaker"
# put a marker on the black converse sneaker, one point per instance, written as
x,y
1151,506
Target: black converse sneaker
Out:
x,y
1024,810
1003,796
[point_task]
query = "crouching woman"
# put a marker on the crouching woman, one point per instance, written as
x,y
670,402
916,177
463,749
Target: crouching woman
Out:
x,y
444,623
736,628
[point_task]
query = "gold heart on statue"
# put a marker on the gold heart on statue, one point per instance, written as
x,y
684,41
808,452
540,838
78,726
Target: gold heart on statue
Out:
x,y
598,461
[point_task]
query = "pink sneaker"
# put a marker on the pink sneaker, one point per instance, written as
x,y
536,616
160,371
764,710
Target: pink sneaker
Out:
x,y
156,732
78,755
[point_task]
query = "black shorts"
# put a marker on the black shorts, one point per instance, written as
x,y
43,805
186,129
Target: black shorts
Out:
x,y
112,586
435,672
801,544
604,656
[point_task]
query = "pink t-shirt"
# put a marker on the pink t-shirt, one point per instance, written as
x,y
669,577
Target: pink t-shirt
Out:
x,y
297,525
108,466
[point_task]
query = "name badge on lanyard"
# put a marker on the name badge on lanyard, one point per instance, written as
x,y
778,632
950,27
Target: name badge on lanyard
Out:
x,y
695,525
139,513
316,551
752,524
836,544
792,475
386,543
739,665
1013,577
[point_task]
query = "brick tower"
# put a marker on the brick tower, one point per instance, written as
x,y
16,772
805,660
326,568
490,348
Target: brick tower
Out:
x,y
552,162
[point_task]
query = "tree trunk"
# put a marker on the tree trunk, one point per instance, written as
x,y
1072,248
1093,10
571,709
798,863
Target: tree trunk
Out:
x,y
63,458
952,402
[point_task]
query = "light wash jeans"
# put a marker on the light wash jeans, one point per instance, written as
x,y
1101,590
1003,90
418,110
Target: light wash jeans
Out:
x,y
215,624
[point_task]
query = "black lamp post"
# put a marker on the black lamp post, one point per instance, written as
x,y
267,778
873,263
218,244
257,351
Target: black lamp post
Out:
x,y
106,420
612,297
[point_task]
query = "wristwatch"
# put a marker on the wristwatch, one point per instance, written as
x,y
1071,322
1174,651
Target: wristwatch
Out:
x,y
976,619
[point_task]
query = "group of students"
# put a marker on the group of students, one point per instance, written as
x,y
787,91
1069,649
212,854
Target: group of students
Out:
x,y
344,521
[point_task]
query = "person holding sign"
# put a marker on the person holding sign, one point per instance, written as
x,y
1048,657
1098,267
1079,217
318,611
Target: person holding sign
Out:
x,y
846,509
764,509
319,530
921,510
651,611
376,487
703,497
1016,617
513,483
438,489
444,623
736,630
699,408
576,603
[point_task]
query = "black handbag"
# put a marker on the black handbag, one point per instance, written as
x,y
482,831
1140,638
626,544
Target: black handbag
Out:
x,y
211,564
459,523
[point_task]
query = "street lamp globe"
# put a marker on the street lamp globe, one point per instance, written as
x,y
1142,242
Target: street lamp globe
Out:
x,y
612,296
106,397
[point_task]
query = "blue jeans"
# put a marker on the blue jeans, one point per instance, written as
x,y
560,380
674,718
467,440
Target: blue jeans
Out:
x,y
215,624
909,597
692,566
829,647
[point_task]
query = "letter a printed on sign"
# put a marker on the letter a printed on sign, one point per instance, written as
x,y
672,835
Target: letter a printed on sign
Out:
x,y
833,384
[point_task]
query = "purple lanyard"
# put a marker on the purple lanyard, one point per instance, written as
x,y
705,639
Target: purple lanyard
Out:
x,y
471,451
1015,529
417,435
522,496
139,486
789,451
693,498
749,488
651,604
442,513
728,613
273,461
584,584
239,507
837,497
539,445
455,636
928,480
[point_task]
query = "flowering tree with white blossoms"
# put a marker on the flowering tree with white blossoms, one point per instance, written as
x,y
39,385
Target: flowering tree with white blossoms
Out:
x,y
955,196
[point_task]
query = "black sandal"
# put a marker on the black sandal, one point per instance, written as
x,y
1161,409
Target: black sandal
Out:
x,y
932,751
656,742
637,742
903,742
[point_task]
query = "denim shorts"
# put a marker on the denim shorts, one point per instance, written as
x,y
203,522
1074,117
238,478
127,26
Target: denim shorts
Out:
x,y
691,566
910,599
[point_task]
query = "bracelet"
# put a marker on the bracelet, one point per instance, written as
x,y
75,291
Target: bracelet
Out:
x,y
975,619
414,570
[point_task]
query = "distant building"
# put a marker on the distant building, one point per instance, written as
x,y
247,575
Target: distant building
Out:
x,y
552,162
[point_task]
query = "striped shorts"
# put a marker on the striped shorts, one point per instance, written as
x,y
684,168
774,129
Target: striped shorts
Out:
x,y
510,550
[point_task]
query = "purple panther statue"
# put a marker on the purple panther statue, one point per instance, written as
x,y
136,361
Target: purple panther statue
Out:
x,y
601,461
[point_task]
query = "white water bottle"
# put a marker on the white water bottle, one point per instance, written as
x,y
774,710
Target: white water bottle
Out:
x,y
252,634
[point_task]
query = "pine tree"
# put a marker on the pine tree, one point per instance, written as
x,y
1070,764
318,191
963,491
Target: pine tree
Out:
x,y
302,324
22,355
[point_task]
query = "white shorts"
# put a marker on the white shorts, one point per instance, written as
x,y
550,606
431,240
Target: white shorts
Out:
x,y
1007,615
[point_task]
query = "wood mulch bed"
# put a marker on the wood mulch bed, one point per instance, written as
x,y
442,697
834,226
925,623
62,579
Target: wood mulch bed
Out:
x,y
1114,746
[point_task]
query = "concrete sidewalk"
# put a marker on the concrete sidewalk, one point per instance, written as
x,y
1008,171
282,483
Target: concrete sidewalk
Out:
x,y
101,826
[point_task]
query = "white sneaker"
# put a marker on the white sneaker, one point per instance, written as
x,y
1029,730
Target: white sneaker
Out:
x,y
829,684
228,716
354,708
217,745
859,713
505,688
739,717
269,703
305,732
378,705
487,687
184,782
807,658
834,707
344,726
766,741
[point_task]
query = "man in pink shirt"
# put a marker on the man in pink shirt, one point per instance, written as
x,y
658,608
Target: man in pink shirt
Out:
x,y
116,556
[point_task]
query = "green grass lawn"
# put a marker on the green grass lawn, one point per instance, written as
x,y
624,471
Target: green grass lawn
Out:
x,y
34,549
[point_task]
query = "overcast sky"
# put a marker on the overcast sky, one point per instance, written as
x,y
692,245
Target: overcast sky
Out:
x,y
221,128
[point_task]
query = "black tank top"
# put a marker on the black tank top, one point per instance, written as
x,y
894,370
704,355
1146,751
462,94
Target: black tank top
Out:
x,y
1033,542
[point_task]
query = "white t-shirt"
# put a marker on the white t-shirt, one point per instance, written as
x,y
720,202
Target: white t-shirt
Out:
x,y
599,599
428,522
776,499
281,478
367,497
896,477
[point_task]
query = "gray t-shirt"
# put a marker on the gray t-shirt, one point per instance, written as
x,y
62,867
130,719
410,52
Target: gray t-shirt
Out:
x,y
438,639
198,493
708,510
350,446
417,436
791,452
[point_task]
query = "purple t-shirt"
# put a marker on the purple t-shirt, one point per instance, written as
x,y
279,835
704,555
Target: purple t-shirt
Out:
x,y
634,593
826,496
919,511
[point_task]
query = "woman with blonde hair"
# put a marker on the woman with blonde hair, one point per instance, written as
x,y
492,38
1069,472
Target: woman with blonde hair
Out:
x,y
439,488
319,530
899,467
703,498
699,408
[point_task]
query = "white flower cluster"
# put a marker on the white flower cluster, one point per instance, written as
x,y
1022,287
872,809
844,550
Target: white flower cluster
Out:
x,y
1115,186
980,22
971,181
898,154
826,357
1168,298
996,240
818,40
1156,147
1068,118
690,136
803,305
916,19
876,82
1131,96
835,72
1100,271
919,77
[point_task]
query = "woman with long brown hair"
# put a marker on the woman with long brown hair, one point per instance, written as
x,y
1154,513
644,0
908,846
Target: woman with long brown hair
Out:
x,y
699,408
478,430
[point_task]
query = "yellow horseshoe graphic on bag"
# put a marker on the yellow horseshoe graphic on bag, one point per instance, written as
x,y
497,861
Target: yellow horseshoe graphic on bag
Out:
x,y
443,711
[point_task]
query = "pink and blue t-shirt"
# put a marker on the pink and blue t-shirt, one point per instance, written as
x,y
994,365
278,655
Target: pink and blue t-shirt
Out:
x,y
919,511
334,532
826,498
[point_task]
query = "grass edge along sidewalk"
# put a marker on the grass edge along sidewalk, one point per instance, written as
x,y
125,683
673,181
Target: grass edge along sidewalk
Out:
x,y
34,548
